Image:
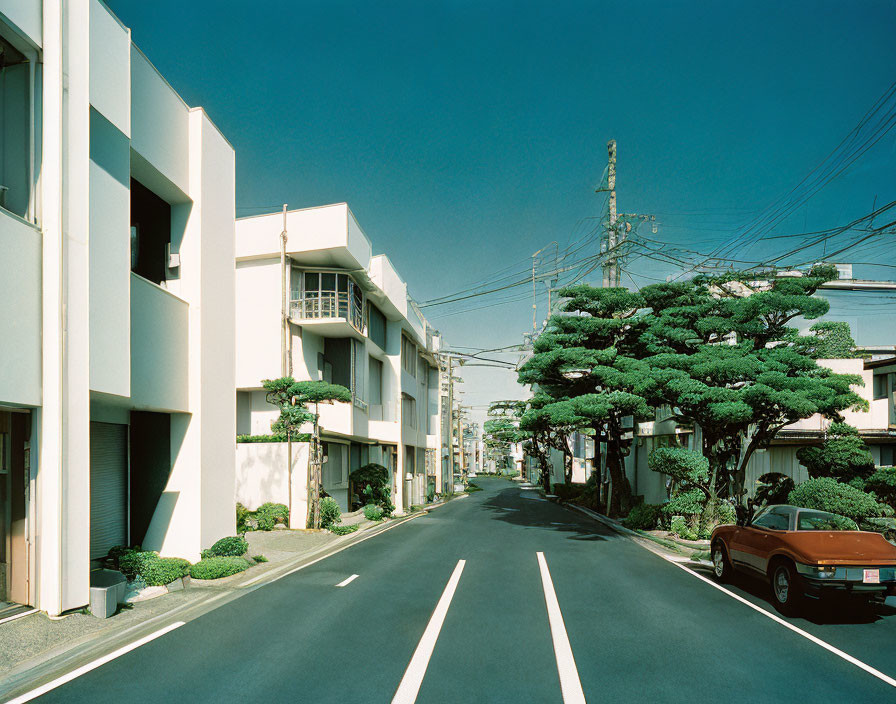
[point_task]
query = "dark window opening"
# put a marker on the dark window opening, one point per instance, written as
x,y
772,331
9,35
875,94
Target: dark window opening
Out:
x,y
15,130
150,233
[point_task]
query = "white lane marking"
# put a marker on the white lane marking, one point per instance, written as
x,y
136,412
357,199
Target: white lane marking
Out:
x,y
777,619
570,685
413,677
84,669
346,582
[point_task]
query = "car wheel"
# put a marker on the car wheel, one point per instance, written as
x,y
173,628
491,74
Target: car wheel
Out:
x,y
786,588
721,567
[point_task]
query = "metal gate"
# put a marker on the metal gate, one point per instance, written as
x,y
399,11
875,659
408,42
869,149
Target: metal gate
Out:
x,y
108,487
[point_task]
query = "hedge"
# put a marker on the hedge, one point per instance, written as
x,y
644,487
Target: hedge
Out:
x,y
330,514
164,570
233,546
644,517
343,530
827,494
218,567
302,437
373,513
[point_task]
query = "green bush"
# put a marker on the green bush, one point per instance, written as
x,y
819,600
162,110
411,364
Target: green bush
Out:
x,y
843,455
135,563
686,503
217,567
727,514
567,492
259,558
163,570
471,487
373,484
681,528
680,463
242,513
644,517
275,437
827,494
883,484
344,530
269,514
329,512
373,512
233,546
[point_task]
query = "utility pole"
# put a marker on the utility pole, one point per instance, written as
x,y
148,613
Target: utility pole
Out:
x,y
450,429
611,275
285,363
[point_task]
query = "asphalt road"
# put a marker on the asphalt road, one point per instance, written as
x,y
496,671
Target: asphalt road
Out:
x,y
639,627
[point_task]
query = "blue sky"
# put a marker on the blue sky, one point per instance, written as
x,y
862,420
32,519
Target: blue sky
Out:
x,y
467,135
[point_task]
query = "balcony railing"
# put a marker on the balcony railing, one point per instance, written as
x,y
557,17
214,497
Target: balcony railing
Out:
x,y
328,304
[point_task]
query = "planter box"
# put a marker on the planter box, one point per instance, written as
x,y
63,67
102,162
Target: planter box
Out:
x,y
107,590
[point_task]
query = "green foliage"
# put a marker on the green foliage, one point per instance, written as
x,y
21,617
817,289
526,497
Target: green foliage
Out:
x,y
134,563
773,488
242,513
726,514
343,530
686,503
471,487
233,546
843,455
827,494
644,517
270,514
372,512
259,558
163,570
686,466
830,340
301,437
329,512
567,492
374,484
883,484
218,567
118,551
682,529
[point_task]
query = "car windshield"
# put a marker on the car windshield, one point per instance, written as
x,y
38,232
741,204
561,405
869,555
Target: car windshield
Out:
x,y
821,520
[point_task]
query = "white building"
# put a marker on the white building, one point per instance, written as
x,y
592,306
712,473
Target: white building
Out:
x,y
351,322
116,329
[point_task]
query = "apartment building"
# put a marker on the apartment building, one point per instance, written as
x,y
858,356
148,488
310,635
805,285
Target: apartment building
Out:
x,y
116,323
350,322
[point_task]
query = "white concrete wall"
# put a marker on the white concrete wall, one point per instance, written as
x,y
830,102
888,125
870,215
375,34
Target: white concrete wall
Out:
x,y
262,476
874,419
20,312
110,67
27,17
258,322
159,339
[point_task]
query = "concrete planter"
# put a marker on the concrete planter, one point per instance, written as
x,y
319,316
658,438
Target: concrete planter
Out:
x,y
108,589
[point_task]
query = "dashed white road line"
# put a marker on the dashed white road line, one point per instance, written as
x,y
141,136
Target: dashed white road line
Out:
x,y
84,669
570,685
777,619
346,582
413,677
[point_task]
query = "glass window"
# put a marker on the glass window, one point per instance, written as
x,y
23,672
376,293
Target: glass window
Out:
x,y
408,356
774,520
342,281
15,129
822,520
881,386
328,282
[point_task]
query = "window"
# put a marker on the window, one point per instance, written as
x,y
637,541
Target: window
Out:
x,y
150,233
822,520
881,386
15,129
329,294
376,325
409,410
774,519
408,356
375,384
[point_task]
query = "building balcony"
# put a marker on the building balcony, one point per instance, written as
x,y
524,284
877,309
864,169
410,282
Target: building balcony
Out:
x,y
329,313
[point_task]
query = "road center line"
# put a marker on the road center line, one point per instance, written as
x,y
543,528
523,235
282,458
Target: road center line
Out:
x,y
777,619
413,677
346,582
570,685
84,669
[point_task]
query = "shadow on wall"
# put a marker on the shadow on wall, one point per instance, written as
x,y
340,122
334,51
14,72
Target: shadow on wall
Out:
x,y
261,474
161,520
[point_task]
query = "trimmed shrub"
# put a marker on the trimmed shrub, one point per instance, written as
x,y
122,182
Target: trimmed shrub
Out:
x,y
275,437
329,512
567,492
259,558
827,494
135,563
883,484
233,546
163,570
843,455
242,514
686,503
218,567
644,517
373,484
270,514
681,528
373,513
343,530
680,463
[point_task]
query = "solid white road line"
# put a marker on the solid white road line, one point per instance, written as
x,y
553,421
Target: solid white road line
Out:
x,y
413,677
777,619
570,685
346,582
59,681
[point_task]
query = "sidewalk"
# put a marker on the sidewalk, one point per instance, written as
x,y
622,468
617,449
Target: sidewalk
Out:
x,y
36,647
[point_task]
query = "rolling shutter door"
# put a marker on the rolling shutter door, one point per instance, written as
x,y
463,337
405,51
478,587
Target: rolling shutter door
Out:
x,y
108,487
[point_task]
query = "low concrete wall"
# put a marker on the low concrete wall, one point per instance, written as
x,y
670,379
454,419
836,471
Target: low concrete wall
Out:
x,y
261,476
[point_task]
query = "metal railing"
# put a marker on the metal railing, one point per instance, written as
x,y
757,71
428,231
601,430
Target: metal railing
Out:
x,y
328,304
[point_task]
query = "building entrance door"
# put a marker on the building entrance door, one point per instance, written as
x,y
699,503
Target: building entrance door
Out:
x,y
15,470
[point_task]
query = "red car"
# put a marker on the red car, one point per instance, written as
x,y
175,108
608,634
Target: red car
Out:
x,y
806,553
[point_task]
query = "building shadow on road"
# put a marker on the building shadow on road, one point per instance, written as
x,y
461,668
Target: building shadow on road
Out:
x,y
834,611
513,506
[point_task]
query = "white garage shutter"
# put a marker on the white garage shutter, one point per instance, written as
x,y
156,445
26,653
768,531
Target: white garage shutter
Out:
x,y
108,487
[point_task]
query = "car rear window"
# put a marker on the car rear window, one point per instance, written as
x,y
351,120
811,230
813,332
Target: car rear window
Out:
x,y
821,520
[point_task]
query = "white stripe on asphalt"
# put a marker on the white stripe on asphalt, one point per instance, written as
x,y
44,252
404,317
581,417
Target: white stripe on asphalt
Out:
x,y
413,677
346,582
777,619
84,669
570,685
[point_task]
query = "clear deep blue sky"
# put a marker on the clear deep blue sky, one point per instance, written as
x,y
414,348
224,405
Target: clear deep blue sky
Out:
x,y
467,135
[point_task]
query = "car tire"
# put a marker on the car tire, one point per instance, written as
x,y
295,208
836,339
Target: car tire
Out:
x,y
787,589
721,565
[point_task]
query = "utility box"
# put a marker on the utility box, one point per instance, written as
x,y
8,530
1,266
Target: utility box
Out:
x,y
107,590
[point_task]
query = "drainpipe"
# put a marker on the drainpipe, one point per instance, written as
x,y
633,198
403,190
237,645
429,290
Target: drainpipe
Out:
x,y
284,302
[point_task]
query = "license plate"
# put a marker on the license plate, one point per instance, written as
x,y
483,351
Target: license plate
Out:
x,y
871,577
